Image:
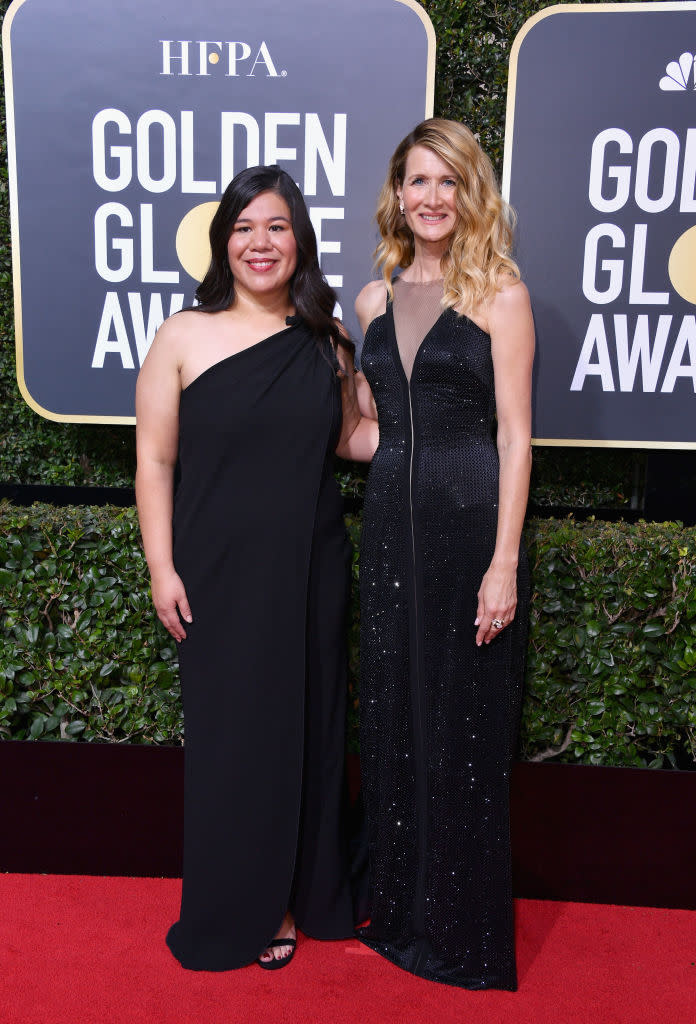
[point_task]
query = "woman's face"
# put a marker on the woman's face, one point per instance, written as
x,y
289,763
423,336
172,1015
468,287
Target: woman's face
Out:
x,y
428,195
261,250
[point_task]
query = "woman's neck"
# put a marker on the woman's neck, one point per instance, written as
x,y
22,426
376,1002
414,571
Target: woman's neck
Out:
x,y
426,264
276,305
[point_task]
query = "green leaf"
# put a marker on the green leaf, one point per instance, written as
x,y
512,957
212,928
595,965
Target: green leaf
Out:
x,y
75,728
654,628
37,727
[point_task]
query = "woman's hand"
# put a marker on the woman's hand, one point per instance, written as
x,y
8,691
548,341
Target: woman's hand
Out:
x,y
497,602
168,594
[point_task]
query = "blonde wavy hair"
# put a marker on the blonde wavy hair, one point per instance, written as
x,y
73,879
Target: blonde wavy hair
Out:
x,y
478,254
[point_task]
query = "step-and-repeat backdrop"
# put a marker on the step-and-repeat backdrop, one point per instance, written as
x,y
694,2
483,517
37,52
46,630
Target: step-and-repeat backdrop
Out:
x,y
600,164
127,120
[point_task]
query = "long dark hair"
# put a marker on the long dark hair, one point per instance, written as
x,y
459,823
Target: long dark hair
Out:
x,y
314,300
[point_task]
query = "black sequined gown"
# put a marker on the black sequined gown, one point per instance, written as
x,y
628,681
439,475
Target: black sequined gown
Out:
x,y
438,714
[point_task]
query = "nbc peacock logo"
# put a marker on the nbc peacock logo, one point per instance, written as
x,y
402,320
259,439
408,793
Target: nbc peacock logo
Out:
x,y
680,75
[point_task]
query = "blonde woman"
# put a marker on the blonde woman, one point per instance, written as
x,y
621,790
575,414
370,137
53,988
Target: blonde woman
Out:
x,y
448,352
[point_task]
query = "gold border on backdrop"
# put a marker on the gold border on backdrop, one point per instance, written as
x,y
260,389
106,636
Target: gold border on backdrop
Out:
x,y
14,229
14,216
564,442
673,5
432,44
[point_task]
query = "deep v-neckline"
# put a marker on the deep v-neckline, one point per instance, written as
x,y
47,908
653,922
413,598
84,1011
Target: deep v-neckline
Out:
x,y
396,352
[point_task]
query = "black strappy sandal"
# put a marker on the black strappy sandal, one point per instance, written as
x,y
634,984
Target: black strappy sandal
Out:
x,y
275,964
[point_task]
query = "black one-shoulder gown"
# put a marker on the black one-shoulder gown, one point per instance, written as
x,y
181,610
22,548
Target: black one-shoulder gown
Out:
x,y
439,715
260,545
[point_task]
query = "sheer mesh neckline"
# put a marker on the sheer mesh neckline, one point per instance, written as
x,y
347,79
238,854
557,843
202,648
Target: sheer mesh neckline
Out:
x,y
417,306
419,284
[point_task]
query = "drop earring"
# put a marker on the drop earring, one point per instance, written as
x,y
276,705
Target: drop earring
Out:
x,y
401,207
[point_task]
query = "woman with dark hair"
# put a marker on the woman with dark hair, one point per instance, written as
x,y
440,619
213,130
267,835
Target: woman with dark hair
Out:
x,y
443,577
251,392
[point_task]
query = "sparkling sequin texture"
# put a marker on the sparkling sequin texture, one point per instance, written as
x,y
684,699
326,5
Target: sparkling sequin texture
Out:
x,y
438,715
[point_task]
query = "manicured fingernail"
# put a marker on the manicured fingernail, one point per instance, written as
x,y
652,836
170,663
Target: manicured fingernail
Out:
x,y
188,618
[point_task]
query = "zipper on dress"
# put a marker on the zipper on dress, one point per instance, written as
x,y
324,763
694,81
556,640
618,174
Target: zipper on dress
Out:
x,y
420,765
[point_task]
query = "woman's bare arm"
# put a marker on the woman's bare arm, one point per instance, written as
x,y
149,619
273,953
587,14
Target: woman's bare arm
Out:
x,y
511,328
157,434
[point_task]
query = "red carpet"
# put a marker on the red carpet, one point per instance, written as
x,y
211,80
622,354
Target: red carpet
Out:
x,y
86,950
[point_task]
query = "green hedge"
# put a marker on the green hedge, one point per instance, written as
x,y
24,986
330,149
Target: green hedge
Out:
x,y
473,47
81,655
611,673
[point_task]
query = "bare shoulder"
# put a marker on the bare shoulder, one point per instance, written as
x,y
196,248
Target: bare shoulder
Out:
x,y
511,298
175,335
177,326
510,302
512,327
372,296
371,302
509,309
183,324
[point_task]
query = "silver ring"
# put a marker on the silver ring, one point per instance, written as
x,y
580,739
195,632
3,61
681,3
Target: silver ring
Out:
x,y
498,623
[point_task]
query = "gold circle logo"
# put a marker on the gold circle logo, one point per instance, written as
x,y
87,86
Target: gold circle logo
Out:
x,y
192,245
682,265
